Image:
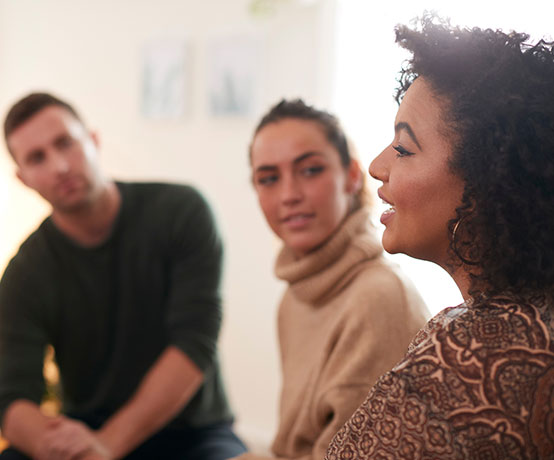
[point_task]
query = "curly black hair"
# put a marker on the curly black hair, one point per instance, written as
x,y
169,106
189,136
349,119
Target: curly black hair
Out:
x,y
497,93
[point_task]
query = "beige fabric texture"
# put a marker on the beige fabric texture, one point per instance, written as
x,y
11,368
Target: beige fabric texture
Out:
x,y
346,318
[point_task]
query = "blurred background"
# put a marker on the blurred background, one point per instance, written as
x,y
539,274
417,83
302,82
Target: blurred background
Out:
x,y
175,88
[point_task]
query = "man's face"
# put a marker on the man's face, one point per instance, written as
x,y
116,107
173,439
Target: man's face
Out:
x,y
57,157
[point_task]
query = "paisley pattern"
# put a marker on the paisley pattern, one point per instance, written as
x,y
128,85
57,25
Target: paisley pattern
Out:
x,y
477,383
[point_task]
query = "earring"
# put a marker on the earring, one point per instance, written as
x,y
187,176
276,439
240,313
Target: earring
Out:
x,y
455,229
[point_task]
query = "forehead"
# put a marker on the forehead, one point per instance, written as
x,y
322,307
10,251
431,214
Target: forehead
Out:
x,y
422,110
42,128
285,140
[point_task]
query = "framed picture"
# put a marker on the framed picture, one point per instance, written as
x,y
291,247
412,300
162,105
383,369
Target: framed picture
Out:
x,y
165,78
233,75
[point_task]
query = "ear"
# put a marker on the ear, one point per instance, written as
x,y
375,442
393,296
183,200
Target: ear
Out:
x,y
95,138
354,177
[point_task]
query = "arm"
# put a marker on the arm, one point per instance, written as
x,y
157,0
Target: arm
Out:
x,y
44,438
193,314
22,344
166,388
24,425
164,391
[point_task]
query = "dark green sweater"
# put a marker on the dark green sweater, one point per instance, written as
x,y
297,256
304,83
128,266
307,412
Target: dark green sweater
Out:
x,y
110,310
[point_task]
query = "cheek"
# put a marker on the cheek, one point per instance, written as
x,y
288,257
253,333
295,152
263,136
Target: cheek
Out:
x,y
35,179
330,194
268,206
428,202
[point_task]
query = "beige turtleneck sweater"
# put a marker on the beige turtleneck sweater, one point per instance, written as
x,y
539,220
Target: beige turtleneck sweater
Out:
x,y
346,318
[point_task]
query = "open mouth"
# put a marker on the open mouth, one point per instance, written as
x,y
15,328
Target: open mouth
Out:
x,y
385,201
390,209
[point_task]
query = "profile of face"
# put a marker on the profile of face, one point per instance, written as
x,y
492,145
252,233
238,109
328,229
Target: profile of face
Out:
x,y
57,157
304,190
418,184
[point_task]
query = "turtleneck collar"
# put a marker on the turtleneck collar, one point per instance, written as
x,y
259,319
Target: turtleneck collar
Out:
x,y
319,274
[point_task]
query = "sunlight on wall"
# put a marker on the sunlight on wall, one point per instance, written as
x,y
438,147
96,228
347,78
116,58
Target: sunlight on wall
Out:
x,y
367,63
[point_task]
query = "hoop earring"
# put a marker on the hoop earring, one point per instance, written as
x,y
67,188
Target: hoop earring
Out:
x,y
454,246
455,229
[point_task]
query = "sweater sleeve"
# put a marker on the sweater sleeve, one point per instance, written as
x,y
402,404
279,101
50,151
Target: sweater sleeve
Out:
x,y
382,318
194,303
22,340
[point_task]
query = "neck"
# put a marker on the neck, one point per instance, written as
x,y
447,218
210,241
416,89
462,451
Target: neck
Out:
x,y
92,223
463,281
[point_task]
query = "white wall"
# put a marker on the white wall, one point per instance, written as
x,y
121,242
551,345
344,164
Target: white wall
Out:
x,y
89,53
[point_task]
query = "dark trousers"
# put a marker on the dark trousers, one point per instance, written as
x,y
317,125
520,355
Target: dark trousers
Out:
x,y
214,442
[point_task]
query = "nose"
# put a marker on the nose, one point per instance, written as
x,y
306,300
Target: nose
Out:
x,y
379,169
60,164
291,192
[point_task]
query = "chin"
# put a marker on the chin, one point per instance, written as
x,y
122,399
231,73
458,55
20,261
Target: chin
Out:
x,y
301,249
390,246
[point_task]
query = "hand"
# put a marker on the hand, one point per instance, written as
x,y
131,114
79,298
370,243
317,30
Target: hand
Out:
x,y
67,439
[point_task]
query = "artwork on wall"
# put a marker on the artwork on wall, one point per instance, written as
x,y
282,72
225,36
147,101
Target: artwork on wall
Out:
x,y
165,78
233,75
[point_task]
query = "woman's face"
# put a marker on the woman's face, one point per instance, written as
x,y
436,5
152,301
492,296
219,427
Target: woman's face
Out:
x,y
417,182
303,188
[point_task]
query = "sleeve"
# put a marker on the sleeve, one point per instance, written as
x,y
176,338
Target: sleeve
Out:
x,y
394,423
379,325
454,396
22,341
337,406
194,304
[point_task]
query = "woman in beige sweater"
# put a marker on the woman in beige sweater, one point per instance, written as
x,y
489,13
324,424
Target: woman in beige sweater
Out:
x,y
348,314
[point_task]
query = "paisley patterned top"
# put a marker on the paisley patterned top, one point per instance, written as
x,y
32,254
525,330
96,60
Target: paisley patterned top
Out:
x,y
477,383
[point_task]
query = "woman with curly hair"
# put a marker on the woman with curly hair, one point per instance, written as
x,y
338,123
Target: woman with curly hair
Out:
x,y
469,178
348,314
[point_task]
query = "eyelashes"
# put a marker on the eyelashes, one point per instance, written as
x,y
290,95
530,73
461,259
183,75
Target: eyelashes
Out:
x,y
401,151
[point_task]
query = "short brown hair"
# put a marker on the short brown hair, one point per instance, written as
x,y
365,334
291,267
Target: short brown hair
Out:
x,y
30,105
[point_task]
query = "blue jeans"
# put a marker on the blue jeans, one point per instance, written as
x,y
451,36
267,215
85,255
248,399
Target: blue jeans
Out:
x,y
213,442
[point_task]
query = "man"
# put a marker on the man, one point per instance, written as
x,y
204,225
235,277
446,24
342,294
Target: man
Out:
x,y
123,281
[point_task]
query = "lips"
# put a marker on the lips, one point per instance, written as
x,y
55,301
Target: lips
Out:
x,y
297,220
68,185
389,213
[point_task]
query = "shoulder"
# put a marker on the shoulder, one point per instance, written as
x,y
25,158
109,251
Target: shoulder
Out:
x,y
381,282
166,205
34,250
499,324
478,337
160,192
489,364
29,273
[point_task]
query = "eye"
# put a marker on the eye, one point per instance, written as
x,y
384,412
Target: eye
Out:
x,y
401,151
63,142
35,158
267,180
312,170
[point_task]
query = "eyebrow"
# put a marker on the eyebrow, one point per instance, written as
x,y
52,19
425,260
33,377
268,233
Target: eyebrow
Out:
x,y
297,160
403,126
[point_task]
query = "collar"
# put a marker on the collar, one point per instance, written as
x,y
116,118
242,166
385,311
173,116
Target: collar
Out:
x,y
323,272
